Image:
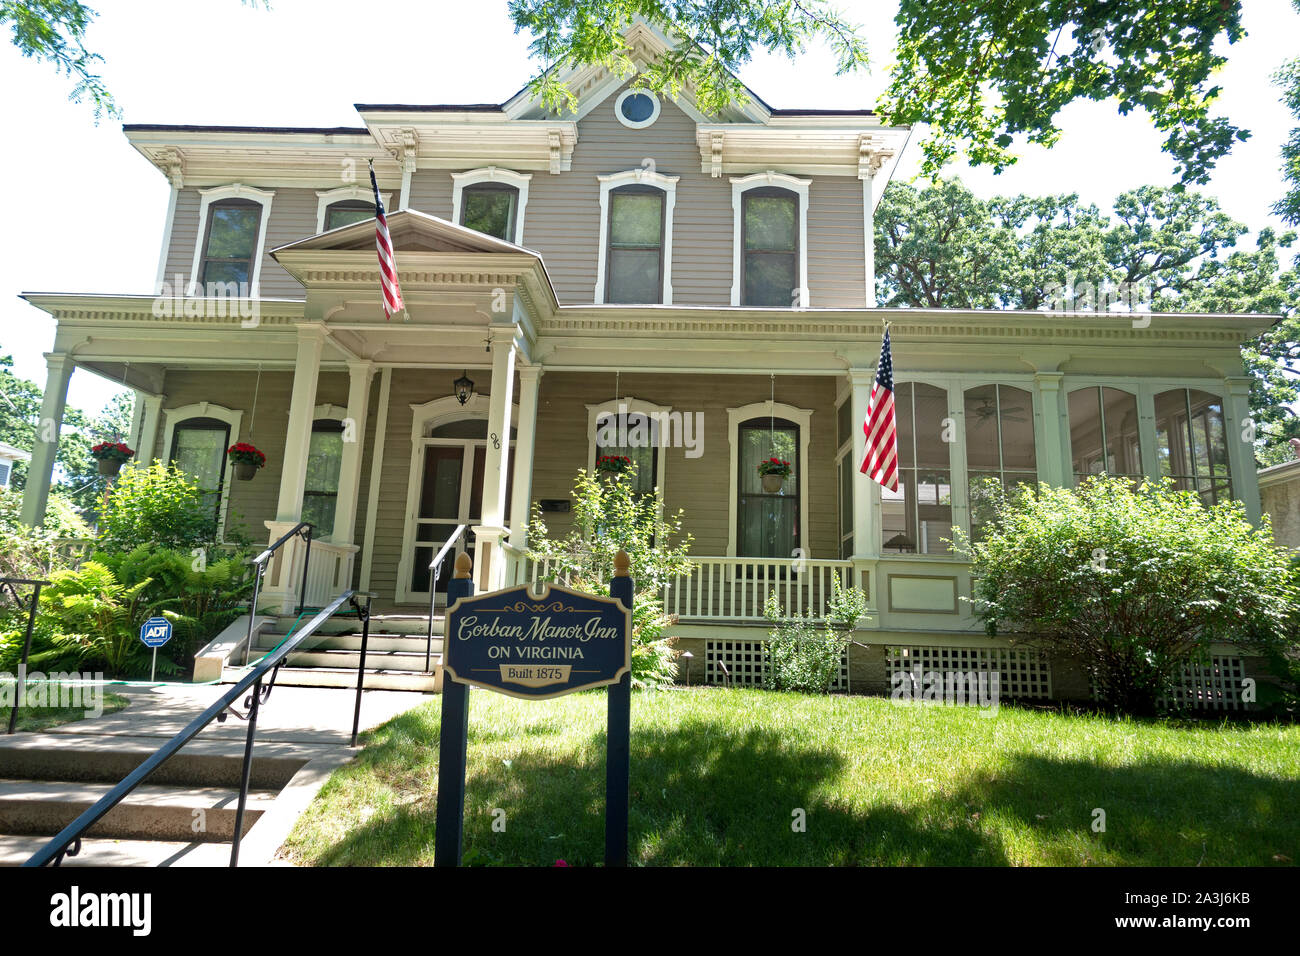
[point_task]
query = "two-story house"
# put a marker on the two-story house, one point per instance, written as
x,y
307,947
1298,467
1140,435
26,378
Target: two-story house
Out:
x,y
706,280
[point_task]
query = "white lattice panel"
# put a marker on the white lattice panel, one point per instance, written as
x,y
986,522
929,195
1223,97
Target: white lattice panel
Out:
x,y
1022,673
1214,684
745,663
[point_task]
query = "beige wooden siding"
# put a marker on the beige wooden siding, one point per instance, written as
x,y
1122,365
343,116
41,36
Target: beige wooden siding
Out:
x,y
836,256
185,231
251,502
431,192
699,486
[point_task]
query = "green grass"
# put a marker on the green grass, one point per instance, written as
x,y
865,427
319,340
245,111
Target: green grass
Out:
x,y
717,775
43,718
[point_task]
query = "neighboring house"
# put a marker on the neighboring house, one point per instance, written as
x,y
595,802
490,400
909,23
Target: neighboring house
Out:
x,y
1279,491
638,259
8,455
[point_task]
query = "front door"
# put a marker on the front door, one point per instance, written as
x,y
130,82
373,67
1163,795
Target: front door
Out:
x,y
450,493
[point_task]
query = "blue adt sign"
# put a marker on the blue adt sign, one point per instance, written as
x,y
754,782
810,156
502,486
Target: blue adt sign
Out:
x,y
156,632
522,645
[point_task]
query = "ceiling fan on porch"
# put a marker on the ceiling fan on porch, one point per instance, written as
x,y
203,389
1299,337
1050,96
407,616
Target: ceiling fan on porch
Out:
x,y
988,411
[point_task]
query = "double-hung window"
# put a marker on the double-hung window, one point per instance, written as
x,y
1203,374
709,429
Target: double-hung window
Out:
x,y
635,245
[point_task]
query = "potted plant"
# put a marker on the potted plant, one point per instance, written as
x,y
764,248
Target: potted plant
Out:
x,y
110,455
613,464
246,459
774,472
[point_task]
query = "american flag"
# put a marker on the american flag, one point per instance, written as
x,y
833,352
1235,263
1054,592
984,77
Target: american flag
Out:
x,y
880,463
387,264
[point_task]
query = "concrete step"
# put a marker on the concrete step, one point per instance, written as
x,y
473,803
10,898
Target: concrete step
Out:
x,y
379,643
347,677
410,625
108,759
375,660
150,812
16,850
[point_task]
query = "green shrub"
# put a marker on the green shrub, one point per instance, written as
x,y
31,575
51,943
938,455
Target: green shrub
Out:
x,y
608,516
33,552
159,506
1134,585
800,656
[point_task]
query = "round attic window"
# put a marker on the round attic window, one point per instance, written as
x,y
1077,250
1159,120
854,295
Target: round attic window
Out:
x,y
636,108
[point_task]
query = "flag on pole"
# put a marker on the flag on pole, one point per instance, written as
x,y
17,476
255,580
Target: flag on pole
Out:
x,y
387,264
880,463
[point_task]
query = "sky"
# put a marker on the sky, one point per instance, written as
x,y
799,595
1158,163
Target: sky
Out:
x,y
86,211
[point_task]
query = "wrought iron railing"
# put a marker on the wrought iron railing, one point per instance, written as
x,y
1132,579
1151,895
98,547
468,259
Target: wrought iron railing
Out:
x,y
435,572
11,586
260,563
68,841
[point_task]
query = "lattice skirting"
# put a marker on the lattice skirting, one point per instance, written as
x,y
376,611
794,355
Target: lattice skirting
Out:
x,y
743,663
1022,673
1214,684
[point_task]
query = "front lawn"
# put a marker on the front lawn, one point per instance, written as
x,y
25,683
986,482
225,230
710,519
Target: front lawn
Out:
x,y
718,775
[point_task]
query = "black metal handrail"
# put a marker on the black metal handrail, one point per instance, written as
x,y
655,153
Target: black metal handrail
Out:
x,y
263,561
435,570
11,585
68,840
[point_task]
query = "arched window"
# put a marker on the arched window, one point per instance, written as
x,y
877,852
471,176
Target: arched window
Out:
x,y
324,463
199,449
770,255
228,255
636,436
491,201
1192,443
346,205
999,444
1104,433
634,268
347,212
768,523
918,517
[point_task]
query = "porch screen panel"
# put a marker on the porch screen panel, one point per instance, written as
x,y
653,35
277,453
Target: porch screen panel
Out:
x,y
1191,443
633,436
1104,433
324,462
771,241
1000,448
767,525
636,245
918,517
199,449
231,242
490,208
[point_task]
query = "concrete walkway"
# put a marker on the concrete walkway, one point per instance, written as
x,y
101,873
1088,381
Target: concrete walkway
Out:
x,y
305,729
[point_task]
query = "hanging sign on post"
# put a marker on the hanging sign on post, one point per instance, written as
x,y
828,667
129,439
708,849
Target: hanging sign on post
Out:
x,y
155,633
536,647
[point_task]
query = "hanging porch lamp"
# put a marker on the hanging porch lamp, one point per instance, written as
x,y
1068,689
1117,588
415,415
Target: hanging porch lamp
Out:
x,y
463,388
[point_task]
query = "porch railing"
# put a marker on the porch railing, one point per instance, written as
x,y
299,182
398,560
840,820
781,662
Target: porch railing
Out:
x,y
732,589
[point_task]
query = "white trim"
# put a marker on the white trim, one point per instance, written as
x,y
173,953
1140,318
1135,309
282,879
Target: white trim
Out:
x,y
167,242
424,417
801,417
631,124
376,475
742,184
332,412
646,177
632,406
262,197
492,174
232,417
354,193
869,240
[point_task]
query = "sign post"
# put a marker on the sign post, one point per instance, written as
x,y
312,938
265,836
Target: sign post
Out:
x,y
537,647
154,633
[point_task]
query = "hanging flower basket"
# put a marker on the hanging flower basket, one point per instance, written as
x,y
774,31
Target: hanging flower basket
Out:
x,y
110,455
774,472
613,465
246,459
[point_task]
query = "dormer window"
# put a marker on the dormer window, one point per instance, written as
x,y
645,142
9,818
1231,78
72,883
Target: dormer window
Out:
x,y
635,269
490,208
347,212
228,253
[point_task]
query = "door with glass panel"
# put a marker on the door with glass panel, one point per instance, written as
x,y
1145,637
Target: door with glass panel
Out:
x,y
199,450
450,493
767,522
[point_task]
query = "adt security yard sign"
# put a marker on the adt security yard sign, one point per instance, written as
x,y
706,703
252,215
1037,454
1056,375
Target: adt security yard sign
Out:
x,y
154,633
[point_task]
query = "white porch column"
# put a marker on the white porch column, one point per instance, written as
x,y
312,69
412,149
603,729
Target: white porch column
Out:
x,y
1241,452
496,466
530,377
151,413
302,404
869,233
36,494
1054,458
866,493
354,439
